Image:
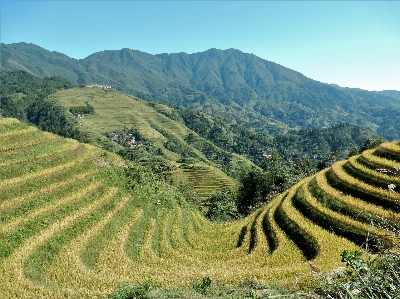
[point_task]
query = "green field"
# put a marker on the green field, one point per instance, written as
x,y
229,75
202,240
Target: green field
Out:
x,y
115,111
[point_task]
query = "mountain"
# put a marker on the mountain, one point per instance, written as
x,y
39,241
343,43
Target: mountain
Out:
x,y
240,87
391,93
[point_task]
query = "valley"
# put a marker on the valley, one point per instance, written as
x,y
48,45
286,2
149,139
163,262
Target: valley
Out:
x,y
197,174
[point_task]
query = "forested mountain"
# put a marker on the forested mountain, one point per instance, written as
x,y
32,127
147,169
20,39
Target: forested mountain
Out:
x,y
294,144
391,93
240,87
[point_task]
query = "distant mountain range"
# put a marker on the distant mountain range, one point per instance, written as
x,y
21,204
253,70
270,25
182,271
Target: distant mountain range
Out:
x,y
239,87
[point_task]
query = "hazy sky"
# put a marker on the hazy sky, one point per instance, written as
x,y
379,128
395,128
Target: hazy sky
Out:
x,y
352,44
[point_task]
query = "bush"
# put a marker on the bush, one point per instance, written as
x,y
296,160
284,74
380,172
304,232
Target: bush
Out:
x,y
133,291
203,286
88,109
377,277
189,193
188,160
221,206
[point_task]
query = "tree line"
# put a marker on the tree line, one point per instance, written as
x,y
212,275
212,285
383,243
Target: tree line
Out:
x,y
322,145
23,96
258,185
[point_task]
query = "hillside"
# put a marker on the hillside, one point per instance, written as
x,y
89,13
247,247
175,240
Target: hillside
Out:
x,y
162,137
70,228
197,145
241,87
179,144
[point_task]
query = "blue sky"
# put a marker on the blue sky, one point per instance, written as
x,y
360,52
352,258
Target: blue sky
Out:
x,y
352,44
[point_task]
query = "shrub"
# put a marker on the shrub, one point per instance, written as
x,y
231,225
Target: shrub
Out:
x,y
203,286
221,206
188,160
88,109
377,277
133,291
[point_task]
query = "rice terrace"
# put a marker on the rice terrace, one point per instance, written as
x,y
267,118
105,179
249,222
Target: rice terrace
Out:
x,y
199,150
71,229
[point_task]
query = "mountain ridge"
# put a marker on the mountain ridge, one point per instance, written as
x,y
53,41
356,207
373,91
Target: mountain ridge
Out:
x,y
238,86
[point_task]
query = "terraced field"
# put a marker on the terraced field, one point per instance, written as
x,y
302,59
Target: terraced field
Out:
x,y
204,180
69,228
115,111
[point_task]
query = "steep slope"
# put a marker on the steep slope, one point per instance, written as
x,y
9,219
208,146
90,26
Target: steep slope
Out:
x,y
115,111
238,86
40,62
70,229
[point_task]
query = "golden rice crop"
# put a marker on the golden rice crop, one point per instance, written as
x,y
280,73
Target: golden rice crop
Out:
x,y
12,225
13,266
15,133
16,201
46,149
228,239
176,248
372,172
33,175
9,121
33,138
377,162
340,218
393,147
330,245
352,201
351,181
69,270
113,260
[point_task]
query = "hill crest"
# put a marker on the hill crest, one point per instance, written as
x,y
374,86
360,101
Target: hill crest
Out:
x,y
238,86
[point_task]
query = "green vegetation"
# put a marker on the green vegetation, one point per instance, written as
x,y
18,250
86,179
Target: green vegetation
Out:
x,y
82,109
78,221
221,206
373,278
242,88
22,96
170,143
164,143
167,135
326,145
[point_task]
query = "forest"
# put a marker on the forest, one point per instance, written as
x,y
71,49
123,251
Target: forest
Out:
x,y
23,96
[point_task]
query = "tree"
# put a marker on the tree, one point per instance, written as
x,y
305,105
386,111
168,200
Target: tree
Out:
x,y
221,206
305,168
354,151
371,143
252,191
278,172
258,186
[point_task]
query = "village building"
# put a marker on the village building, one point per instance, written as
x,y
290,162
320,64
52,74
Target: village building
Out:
x,y
98,85
125,138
